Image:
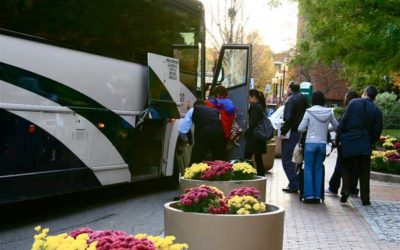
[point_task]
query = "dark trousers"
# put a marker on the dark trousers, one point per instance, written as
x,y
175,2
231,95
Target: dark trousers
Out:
x,y
259,162
288,166
334,182
362,165
214,143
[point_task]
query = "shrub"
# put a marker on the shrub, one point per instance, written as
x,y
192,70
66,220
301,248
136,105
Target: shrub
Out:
x,y
390,107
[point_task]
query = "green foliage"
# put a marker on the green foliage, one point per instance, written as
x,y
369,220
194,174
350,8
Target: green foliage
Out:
x,y
391,132
338,112
390,108
364,35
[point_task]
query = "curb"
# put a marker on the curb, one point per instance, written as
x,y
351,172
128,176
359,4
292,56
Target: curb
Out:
x,y
385,177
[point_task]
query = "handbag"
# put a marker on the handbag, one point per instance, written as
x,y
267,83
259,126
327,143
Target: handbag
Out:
x,y
236,131
297,156
264,129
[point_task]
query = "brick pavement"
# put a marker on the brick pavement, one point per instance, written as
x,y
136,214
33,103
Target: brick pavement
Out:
x,y
332,225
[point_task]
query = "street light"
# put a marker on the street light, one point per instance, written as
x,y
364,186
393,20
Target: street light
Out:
x,y
275,83
284,69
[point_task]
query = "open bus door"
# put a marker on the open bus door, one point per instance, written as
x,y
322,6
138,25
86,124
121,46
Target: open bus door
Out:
x,y
233,71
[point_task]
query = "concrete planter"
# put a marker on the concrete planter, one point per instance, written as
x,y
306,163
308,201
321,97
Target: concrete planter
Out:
x,y
226,232
259,183
268,158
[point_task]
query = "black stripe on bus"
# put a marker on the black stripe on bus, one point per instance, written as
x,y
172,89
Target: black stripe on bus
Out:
x,y
118,131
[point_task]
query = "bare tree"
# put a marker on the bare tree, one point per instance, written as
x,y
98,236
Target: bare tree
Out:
x,y
229,19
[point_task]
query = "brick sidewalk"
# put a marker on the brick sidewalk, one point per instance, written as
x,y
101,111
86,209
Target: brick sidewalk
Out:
x,y
332,225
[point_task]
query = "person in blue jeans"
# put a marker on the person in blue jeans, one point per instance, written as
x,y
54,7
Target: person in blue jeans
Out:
x,y
315,121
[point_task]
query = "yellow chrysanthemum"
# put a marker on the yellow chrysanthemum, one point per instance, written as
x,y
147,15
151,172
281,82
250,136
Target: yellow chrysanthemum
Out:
x,y
243,167
166,243
195,169
245,205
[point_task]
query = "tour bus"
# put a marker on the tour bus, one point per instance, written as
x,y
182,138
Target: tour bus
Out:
x,y
93,93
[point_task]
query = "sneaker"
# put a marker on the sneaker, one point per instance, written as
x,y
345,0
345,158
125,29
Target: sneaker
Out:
x,y
328,191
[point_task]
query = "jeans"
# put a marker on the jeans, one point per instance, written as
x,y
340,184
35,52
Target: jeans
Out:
x,y
314,156
288,166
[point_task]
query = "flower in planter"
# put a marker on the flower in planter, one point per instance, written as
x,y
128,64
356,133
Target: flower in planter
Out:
x,y
243,171
245,205
386,161
195,170
218,171
88,239
388,145
160,243
245,191
43,241
207,199
397,146
202,199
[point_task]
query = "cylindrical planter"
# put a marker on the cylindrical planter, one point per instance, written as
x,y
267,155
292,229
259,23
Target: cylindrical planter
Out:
x,y
268,157
226,232
259,183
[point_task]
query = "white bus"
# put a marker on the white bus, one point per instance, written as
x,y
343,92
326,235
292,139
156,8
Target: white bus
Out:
x,y
92,92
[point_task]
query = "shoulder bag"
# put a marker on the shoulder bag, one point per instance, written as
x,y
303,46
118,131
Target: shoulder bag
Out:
x,y
264,129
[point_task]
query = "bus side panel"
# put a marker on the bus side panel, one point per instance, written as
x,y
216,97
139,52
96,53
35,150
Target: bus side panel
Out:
x,y
22,187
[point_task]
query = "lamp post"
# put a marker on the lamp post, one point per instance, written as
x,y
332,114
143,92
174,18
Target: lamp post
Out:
x,y
275,84
284,69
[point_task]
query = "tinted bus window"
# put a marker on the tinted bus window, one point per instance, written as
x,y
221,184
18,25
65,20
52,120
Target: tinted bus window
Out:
x,y
121,29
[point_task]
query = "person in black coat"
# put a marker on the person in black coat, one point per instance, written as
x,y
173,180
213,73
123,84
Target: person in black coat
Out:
x,y
334,182
361,116
208,132
293,113
253,144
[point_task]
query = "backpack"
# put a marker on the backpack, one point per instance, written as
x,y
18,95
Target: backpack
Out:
x,y
264,129
227,118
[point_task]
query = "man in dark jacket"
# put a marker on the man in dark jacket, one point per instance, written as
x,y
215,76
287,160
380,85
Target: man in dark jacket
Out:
x,y
208,132
361,117
294,110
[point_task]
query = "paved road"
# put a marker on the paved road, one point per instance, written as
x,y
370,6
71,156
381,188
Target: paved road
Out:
x,y
132,208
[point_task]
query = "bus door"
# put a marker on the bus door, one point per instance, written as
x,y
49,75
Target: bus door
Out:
x,y
161,108
233,71
170,93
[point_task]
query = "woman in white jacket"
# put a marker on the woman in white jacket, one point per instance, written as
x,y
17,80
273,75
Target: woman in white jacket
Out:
x,y
315,121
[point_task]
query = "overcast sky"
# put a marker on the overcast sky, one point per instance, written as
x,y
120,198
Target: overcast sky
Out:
x,y
278,26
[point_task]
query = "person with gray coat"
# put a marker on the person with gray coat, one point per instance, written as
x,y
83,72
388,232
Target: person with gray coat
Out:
x,y
316,122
